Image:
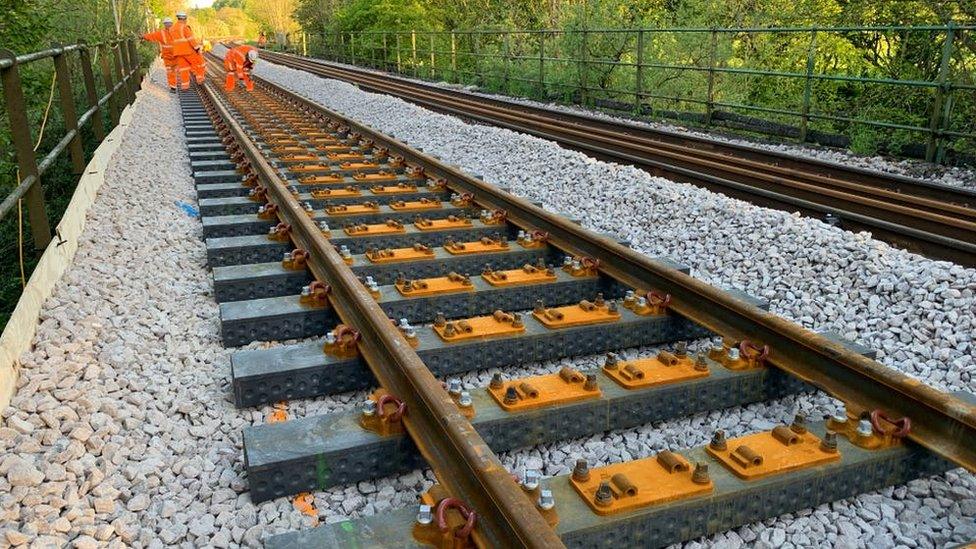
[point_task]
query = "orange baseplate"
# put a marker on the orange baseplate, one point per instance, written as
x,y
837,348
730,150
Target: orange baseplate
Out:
x,y
322,179
581,314
336,193
390,227
415,205
452,222
546,390
352,209
480,327
378,176
485,245
647,372
772,452
394,189
452,283
394,255
640,483
528,274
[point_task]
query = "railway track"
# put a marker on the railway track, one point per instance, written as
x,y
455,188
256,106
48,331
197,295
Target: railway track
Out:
x,y
406,273
934,220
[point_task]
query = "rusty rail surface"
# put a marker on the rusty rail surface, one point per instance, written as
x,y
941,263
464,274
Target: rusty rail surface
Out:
x,y
445,437
936,220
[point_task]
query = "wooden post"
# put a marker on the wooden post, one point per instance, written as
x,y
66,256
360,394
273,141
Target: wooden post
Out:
x,y
581,64
508,59
20,134
454,71
68,111
433,63
399,61
413,50
639,76
113,99
84,57
542,64
386,54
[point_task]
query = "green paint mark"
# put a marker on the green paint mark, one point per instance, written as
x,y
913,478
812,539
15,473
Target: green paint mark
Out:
x,y
322,472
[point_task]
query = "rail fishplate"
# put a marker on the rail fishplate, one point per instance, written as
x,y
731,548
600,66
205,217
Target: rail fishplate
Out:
x,y
582,314
783,449
452,283
415,205
452,222
497,324
622,487
528,274
337,193
352,209
391,226
485,245
567,385
646,372
394,255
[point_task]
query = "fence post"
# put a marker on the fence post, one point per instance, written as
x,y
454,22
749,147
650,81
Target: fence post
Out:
x,y
304,44
352,47
581,64
430,42
476,49
935,121
20,134
413,50
84,57
807,86
122,71
68,111
399,63
639,77
454,71
113,98
136,66
508,58
542,64
386,54
710,101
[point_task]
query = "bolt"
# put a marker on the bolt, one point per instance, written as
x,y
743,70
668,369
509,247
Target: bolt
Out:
x,y
464,399
567,260
425,515
612,306
511,395
611,361
286,257
576,265
829,442
306,291
369,407
496,381
717,348
799,425
641,302
864,428
271,230
516,320
733,353
681,349
540,307
590,384
530,481
629,296
840,415
546,501
330,338
454,386
599,301
718,441
521,235
581,472
604,495
440,320
700,363
700,476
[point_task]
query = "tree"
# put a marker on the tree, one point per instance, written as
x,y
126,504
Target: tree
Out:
x,y
274,15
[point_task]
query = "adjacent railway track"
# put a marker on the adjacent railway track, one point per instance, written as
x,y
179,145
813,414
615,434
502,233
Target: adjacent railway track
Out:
x,y
408,272
934,220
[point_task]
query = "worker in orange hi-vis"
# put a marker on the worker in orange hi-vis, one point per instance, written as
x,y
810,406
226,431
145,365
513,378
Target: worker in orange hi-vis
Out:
x,y
239,62
164,38
186,51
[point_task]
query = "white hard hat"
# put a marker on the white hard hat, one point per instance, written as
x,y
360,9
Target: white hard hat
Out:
x,y
252,55
167,21
180,15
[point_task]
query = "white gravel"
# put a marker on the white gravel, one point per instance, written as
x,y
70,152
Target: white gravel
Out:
x,y
940,175
917,312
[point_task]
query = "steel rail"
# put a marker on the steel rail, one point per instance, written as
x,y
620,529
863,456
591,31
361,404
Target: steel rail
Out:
x,y
456,452
941,422
918,222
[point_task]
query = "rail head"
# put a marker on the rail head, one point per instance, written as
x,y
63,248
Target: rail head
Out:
x,y
942,422
460,458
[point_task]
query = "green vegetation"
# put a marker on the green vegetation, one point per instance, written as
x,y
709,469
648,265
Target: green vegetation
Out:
x,y
863,109
28,26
